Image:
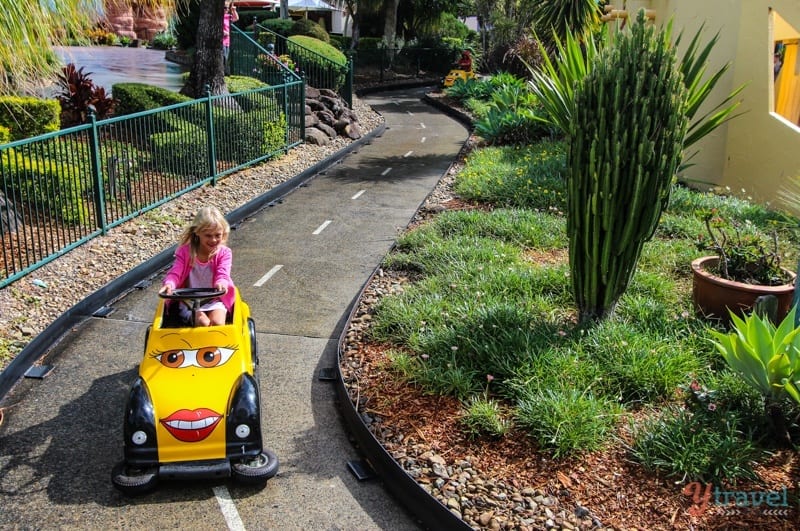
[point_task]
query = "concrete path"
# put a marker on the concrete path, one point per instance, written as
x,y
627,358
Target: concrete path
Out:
x,y
300,265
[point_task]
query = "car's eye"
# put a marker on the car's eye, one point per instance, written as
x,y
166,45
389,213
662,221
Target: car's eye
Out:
x,y
213,356
171,358
209,357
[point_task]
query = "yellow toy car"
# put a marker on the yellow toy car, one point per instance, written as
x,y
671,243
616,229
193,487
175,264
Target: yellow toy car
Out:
x,y
194,410
457,73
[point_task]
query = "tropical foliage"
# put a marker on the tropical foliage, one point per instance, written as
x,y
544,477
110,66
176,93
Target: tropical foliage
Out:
x,y
554,83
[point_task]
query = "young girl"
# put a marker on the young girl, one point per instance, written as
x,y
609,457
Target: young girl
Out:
x,y
202,260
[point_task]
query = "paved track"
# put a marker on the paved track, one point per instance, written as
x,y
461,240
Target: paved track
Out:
x,y
299,264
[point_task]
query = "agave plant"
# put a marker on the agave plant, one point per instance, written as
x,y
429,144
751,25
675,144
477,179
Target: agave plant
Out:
x,y
767,357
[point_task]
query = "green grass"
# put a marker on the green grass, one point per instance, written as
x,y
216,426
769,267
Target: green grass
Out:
x,y
483,305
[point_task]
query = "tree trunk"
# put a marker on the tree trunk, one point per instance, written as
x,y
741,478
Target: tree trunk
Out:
x,y
390,26
208,67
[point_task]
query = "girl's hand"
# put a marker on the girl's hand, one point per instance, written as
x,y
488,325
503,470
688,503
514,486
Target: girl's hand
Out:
x,y
222,287
166,289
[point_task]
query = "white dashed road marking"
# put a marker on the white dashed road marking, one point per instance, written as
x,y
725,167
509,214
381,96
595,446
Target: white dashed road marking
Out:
x,y
228,509
387,170
358,194
269,275
322,227
408,154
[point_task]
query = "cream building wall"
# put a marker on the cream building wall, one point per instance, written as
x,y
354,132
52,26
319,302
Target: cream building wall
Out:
x,y
757,152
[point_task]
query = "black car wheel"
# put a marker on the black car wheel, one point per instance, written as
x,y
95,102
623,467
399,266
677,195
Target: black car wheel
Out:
x,y
257,469
133,481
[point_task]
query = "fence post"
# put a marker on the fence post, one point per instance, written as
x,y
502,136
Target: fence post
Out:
x,y
98,196
212,156
348,90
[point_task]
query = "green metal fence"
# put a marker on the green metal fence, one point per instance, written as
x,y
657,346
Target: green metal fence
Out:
x,y
317,70
64,188
383,64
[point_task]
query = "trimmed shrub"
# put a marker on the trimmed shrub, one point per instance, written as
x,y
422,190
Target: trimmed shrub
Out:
x,y
182,151
137,97
325,67
279,26
369,43
54,186
240,135
27,116
310,28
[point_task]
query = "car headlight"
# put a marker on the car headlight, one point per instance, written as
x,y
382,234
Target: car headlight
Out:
x,y
242,431
139,437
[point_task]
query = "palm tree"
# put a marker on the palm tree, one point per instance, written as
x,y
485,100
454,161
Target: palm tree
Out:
x,y
30,29
27,32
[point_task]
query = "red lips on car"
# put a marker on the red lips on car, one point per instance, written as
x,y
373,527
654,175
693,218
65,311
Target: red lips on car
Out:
x,y
191,425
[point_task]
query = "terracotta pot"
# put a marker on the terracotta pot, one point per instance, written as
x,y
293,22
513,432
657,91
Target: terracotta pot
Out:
x,y
713,295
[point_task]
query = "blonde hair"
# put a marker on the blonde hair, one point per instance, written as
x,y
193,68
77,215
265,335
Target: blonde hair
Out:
x,y
206,218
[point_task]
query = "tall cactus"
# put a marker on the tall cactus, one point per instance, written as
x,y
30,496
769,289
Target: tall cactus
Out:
x,y
626,141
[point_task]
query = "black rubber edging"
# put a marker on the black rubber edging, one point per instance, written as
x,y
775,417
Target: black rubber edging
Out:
x,y
427,508
40,345
464,118
388,87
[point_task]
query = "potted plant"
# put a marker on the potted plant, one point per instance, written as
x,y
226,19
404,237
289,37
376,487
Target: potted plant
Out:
x,y
745,265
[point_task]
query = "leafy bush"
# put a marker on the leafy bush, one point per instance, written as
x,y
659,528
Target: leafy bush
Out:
x,y
164,41
511,126
79,95
27,116
462,91
101,37
260,100
5,134
57,187
243,83
240,134
274,135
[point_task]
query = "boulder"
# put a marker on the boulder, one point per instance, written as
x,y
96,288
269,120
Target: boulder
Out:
x,y
316,136
327,113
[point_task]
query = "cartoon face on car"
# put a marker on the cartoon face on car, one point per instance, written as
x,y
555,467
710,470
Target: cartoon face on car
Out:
x,y
190,377
194,410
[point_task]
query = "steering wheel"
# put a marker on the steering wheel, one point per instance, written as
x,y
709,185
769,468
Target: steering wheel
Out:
x,y
197,296
193,294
